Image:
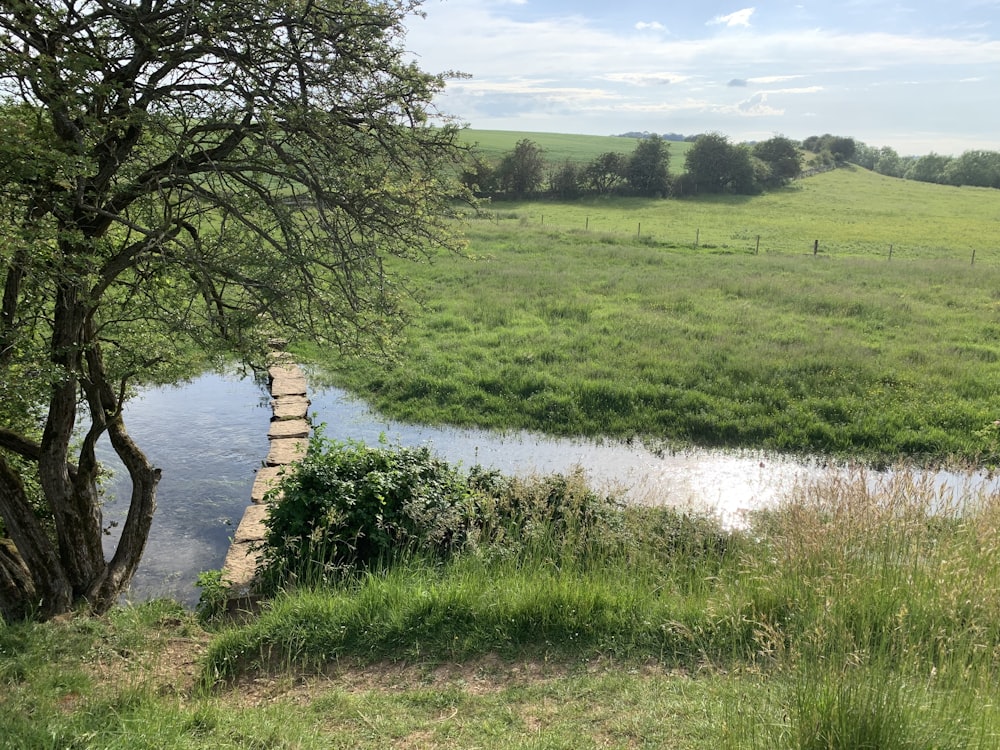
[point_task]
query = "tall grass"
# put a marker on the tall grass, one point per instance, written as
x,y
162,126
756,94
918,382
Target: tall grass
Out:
x,y
858,614
865,607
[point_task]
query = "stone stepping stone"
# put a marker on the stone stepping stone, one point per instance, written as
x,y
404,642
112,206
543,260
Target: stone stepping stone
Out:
x,y
289,428
288,385
279,371
287,380
286,451
240,566
266,479
289,439
290,407
251,528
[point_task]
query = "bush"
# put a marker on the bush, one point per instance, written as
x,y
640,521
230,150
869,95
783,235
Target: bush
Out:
x,y
557,518
347,506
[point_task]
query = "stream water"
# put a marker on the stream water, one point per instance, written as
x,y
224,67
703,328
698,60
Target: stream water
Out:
x,y
210,435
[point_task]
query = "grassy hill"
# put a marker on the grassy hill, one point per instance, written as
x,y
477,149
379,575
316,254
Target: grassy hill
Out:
x,y
559,147
851,211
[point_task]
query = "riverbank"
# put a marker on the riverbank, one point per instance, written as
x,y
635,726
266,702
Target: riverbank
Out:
x,y
848,354
845,617
204,492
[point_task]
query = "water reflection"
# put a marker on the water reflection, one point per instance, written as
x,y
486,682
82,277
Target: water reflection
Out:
x,y
210,435
724,482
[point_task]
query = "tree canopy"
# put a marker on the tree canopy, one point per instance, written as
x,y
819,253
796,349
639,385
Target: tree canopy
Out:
x,y
181,178
522,170
647,169
714,165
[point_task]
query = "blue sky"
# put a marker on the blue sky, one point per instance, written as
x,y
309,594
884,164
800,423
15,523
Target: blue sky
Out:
x,y
918,76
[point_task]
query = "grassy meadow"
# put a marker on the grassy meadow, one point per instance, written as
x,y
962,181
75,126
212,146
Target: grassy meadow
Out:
x,y
560,147
665,320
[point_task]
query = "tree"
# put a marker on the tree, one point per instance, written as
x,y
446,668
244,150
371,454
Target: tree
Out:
x,y
714,165
865,156
185,176
930,168
479,176
976,168
782,157
889,163
522,170
647,170
606,172
564,183
840,148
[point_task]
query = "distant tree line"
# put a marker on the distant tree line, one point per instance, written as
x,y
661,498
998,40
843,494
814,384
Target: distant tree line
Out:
x,y
712,165
976,168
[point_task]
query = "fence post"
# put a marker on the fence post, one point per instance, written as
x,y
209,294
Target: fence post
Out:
x,y
638,230
973,256
815,247
586,226
697,237
890,252
756,250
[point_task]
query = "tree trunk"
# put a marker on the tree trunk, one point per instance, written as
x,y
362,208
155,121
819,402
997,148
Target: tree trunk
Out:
x,y
105,410
17,591
29,549
73,500
46,577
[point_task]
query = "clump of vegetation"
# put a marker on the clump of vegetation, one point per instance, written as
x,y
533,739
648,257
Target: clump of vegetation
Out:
x,y
855,605
854,614
348,506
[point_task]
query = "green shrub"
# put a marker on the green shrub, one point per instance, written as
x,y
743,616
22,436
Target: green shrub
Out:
x,y
348,506
557,517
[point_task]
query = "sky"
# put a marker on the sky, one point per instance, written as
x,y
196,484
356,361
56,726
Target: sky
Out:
x,y
916,75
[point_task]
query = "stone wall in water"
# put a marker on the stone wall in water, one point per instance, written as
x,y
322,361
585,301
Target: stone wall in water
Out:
x,y
288,435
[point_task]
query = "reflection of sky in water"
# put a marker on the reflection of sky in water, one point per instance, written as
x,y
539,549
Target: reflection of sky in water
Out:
x,y
722,482
209,436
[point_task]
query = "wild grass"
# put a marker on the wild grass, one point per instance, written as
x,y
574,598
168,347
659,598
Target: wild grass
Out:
x,y
851,211
859,609
553,328
857,614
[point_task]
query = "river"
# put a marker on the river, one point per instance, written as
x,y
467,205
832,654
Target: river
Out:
x,y
210,435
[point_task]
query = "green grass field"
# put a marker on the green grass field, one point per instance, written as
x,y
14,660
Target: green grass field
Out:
x,y
559,147
606,318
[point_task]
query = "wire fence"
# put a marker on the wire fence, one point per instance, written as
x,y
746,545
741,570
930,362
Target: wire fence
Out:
x,y
728,240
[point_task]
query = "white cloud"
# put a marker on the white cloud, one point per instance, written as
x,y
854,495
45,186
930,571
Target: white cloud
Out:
x,y
765,80
739,18
529,87
757,106
645,79
571,72
801,90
